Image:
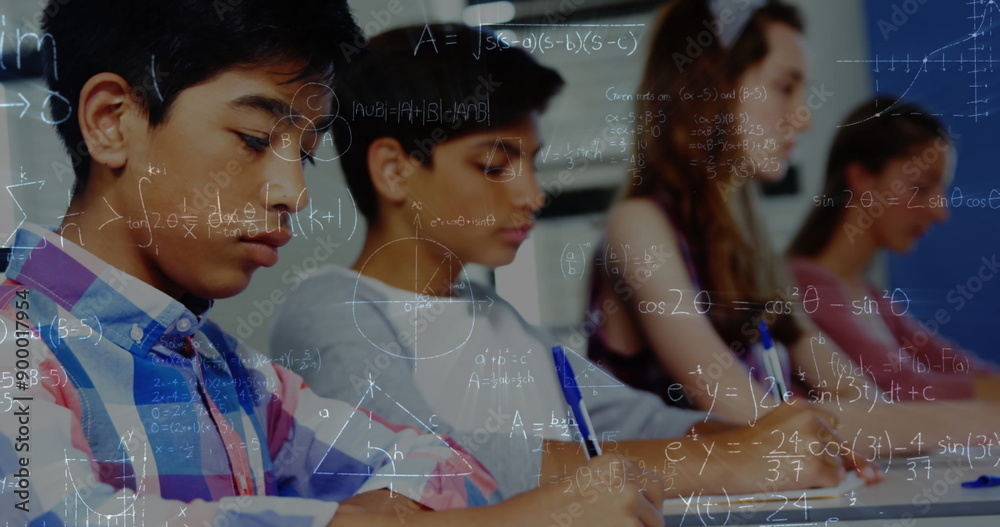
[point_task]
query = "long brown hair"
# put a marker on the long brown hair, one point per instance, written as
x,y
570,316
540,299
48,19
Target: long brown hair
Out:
x,y
874,133
731,255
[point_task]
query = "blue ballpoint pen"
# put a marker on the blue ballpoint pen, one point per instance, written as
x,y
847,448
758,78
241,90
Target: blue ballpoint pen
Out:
x,y
772,363
575,401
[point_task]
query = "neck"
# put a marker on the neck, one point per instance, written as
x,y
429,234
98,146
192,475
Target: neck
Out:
x,y
403,257
91,221
849,253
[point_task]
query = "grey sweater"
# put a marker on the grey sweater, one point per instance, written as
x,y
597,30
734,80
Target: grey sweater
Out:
x,y
340,319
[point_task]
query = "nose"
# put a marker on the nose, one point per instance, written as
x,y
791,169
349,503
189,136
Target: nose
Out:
x,y
284,187
527,194
940,214
802,113
808,123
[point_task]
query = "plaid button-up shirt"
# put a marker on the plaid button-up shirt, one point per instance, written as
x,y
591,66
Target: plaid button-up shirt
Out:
x,y
115,421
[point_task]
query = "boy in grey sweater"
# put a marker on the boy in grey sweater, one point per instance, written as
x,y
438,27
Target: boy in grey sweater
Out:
x,y
438,151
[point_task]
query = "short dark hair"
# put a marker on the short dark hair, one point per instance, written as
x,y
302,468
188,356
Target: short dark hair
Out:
x,y
428,84
163,47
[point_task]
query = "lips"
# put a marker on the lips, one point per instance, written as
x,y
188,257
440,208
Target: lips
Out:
x,y
263,247
788,149
517,235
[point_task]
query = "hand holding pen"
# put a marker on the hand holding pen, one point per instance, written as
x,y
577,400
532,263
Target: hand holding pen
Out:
x,y
607,496
825,421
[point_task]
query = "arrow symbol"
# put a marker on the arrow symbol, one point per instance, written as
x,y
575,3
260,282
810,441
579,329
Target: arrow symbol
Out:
x,y
10,190
26,105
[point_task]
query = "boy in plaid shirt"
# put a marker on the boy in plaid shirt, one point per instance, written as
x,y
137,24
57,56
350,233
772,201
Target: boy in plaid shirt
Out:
x,y
123,402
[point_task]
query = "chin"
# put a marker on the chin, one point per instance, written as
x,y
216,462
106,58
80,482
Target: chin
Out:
x,y
496,260
904,247
222,288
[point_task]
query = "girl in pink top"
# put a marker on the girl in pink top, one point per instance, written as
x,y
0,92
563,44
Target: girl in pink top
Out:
x,y
889,165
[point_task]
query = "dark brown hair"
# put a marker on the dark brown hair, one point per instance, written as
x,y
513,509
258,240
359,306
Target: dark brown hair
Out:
x,y
732,258
876,132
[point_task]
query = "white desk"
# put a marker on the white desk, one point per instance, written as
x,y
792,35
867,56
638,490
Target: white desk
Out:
x,y
918,492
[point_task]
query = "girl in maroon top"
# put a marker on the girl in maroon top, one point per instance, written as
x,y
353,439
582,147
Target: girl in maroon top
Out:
x,y
681,320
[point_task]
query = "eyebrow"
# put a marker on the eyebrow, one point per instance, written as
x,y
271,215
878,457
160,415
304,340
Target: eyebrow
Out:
x,y
795,74
489,144
278,108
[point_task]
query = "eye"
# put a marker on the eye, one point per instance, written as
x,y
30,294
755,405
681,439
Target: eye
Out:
x,y
497,173
254,143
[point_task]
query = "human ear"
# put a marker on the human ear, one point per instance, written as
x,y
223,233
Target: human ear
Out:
x,y
387,169
104,101
859,179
